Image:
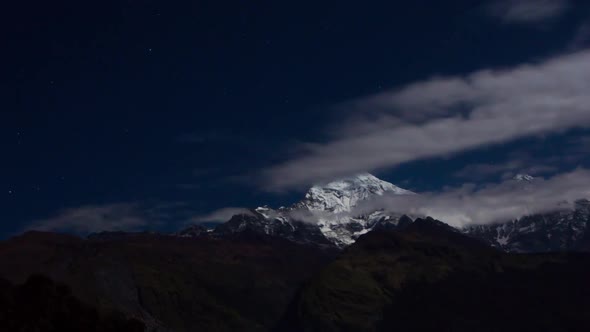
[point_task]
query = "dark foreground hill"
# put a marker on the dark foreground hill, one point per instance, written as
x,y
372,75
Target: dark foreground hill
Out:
x,y
243,283
421,276
429,277
42,305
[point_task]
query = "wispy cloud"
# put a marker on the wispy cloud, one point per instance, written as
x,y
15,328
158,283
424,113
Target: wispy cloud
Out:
x,y
467,204
447,115
481,171
519,162
527,11
581,39
221,215
95,218
470,204
126,216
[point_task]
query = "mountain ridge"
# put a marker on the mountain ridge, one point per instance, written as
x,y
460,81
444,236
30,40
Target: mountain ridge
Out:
x,y
390,277
429,277
326,217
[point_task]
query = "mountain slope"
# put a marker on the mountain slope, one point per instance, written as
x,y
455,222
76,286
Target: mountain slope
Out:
x,y
42,305
564,230
427,276
242,282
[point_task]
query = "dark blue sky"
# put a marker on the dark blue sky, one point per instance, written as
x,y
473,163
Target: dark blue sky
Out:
x,y
173,104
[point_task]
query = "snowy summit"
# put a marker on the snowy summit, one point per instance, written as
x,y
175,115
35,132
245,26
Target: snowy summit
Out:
x,y
344,194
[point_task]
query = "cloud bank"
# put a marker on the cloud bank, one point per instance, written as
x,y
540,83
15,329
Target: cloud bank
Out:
x,y
507,170
506,201
468,204
446,115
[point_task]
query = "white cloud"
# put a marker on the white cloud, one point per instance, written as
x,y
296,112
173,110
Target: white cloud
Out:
x,y
442,116
525,164
527,11
221,215
459,206
508,200
93,218
479,171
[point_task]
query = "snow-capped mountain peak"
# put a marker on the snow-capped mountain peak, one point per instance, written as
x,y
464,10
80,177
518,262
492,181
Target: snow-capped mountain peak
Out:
x,y
325,216
342,195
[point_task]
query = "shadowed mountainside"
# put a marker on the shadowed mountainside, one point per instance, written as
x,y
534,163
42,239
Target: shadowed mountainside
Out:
x,y
420,276
42,305
428,276
244,282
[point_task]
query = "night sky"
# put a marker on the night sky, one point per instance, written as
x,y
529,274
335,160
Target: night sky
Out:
x,y
149,113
